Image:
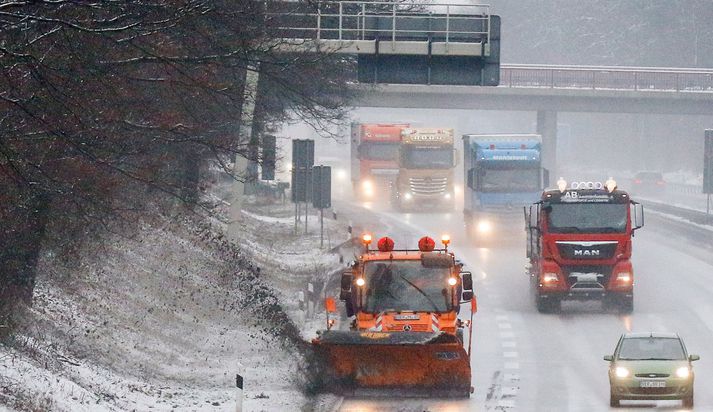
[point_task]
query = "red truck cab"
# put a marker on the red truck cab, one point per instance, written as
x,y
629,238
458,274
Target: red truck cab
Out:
x,y
579,245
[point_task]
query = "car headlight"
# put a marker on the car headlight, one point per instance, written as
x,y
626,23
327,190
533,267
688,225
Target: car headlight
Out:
x,y
621,372
683,372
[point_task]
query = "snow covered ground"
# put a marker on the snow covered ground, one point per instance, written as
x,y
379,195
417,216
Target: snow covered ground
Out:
x,y
161,321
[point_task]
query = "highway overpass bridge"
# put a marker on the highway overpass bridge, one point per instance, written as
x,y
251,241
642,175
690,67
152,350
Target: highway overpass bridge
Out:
x,y
549,90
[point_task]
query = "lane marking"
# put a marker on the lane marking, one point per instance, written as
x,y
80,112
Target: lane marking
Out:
x,y
504,326
512,365
507,334
510,354
508,344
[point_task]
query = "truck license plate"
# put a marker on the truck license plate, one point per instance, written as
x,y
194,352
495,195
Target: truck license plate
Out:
x,y
652,384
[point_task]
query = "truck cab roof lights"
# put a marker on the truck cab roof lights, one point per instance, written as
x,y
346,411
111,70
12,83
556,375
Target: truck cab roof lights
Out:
x,y
366,240
562,184
610,184
446,240
385,244
426,244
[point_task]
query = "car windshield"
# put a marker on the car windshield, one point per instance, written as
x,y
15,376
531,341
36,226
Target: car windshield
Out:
x,y
406,285
379,151
427,157
587,217
510,180
651,349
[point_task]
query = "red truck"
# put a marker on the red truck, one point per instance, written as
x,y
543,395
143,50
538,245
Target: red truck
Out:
x,y
579,245
374,158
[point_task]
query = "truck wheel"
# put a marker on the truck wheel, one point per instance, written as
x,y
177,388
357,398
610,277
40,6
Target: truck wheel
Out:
x,y
626,305
613,400
548,305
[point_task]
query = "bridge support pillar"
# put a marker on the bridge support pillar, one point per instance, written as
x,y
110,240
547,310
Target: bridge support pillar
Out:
x,y
547,128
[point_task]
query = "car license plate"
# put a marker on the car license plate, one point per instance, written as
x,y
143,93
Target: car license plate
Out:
x,y
652,384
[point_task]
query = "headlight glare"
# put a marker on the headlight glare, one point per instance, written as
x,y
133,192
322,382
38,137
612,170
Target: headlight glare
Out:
x,y
550,277
621,372
683,372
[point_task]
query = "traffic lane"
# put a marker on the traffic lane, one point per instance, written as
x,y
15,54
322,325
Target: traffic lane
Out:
x,y
562,353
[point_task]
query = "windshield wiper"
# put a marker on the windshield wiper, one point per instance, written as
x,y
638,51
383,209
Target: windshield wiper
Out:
x,y
435,307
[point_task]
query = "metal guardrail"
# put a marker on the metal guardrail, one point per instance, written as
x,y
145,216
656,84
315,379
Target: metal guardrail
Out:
x,y
606,78
691,215
386,21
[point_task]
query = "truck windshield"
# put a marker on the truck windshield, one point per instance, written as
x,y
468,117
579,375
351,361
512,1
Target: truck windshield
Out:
x,y
406,285
510,180
427,157
379,151
587,217
651,349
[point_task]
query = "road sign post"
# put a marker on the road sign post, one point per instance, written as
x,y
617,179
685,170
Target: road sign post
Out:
x,y
708,168
321,194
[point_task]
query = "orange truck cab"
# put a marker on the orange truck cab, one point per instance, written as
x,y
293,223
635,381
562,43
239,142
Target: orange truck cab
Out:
x,y
405,331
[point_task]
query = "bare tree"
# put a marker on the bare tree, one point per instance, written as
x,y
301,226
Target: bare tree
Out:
x,y
109,104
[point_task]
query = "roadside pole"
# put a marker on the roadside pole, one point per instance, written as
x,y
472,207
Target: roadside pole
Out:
x,y
252,76
321,228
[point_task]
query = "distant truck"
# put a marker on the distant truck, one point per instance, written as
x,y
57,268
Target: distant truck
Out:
x,y
579,245
503,173
374,158
425,175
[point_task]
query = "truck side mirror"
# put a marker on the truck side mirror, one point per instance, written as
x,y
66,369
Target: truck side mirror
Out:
x,y
638,212
467,295
479,174
346,287
467,280
470,179
456,157
608,358
693,358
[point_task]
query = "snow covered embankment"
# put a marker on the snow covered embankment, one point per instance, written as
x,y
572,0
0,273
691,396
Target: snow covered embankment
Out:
x,y
157,322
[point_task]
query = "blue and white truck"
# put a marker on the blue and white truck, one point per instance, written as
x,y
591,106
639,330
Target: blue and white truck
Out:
x,y
503,172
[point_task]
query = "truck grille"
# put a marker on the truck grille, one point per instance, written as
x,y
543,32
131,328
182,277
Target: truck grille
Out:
x,y
428,185
587,250
587,277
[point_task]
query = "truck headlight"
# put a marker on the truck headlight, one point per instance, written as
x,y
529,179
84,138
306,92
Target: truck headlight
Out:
x,y
683,372
485,227
550,277
621,372
408,196
447,196
367,188
624,277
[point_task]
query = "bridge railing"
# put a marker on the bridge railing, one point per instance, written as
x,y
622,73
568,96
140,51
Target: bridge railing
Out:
x,y
385,21
606,78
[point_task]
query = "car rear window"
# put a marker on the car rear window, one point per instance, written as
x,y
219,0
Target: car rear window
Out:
x,y
651,349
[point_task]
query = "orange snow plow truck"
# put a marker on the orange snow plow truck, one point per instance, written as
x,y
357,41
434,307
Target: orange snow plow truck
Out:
x,y
405,334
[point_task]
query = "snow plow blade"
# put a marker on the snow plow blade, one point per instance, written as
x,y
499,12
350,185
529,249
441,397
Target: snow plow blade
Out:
x,y
431,364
